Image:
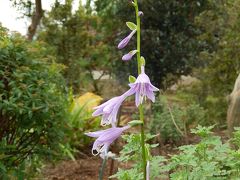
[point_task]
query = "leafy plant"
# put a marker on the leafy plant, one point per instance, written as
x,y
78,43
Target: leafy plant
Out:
x,y
208,159
34,102
130,153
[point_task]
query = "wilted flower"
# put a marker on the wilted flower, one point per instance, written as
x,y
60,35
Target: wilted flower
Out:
x,y
105,138
142,88
109,110
129,55
126,40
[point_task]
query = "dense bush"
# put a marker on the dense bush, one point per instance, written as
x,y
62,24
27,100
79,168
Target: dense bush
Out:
x,y
33,102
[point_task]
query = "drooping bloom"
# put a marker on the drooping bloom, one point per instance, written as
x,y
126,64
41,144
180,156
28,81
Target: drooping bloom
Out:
x,y
126,40
109,110
105,138
129,55
142,88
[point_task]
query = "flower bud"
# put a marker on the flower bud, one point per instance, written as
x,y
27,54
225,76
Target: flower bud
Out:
x,y
140,13
129,55
126,40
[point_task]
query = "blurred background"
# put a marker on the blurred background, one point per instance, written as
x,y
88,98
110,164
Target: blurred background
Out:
x,y
59,59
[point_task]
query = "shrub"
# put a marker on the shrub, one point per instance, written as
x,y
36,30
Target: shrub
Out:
x,y
33,104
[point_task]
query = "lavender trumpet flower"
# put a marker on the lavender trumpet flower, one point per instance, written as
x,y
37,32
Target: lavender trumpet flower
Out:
x,y
109,110
129,55
105,138
126,40
142,88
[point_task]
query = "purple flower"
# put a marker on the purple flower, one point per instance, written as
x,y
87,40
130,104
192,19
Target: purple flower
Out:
x,y
125,41
129,55
109,110
140,13
142,88
105,138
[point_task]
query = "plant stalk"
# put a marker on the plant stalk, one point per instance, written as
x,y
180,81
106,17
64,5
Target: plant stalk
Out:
x,y
101,171
144,160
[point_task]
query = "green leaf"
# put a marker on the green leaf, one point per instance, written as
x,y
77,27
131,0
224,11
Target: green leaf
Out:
x,y
135,123
131,26
131,79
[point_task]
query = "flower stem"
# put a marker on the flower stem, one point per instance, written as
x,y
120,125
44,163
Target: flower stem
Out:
x,y
138,36
144,160
101,171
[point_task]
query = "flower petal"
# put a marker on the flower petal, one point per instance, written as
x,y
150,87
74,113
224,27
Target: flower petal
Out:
x,y
95,134
137,96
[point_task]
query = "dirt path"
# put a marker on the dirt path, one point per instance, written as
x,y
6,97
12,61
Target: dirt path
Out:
x,y
82,169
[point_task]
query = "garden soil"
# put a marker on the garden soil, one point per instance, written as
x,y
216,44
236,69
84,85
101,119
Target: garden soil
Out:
x,y
82,169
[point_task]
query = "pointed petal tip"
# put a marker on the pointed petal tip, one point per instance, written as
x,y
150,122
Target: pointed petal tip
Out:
x,y
95,113
88,134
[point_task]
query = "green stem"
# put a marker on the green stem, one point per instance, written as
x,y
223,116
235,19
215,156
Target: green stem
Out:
x,y
144,160
101,171
138,37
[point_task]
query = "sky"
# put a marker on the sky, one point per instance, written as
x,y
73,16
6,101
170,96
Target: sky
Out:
x,y
9,16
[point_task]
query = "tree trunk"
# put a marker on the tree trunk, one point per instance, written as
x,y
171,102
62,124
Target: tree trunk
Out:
x,y
36,17
233,114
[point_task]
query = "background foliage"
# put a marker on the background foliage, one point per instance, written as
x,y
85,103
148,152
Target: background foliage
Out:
x,y
78,44
169,33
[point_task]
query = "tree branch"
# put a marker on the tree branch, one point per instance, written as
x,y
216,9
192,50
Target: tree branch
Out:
x,y
36,17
